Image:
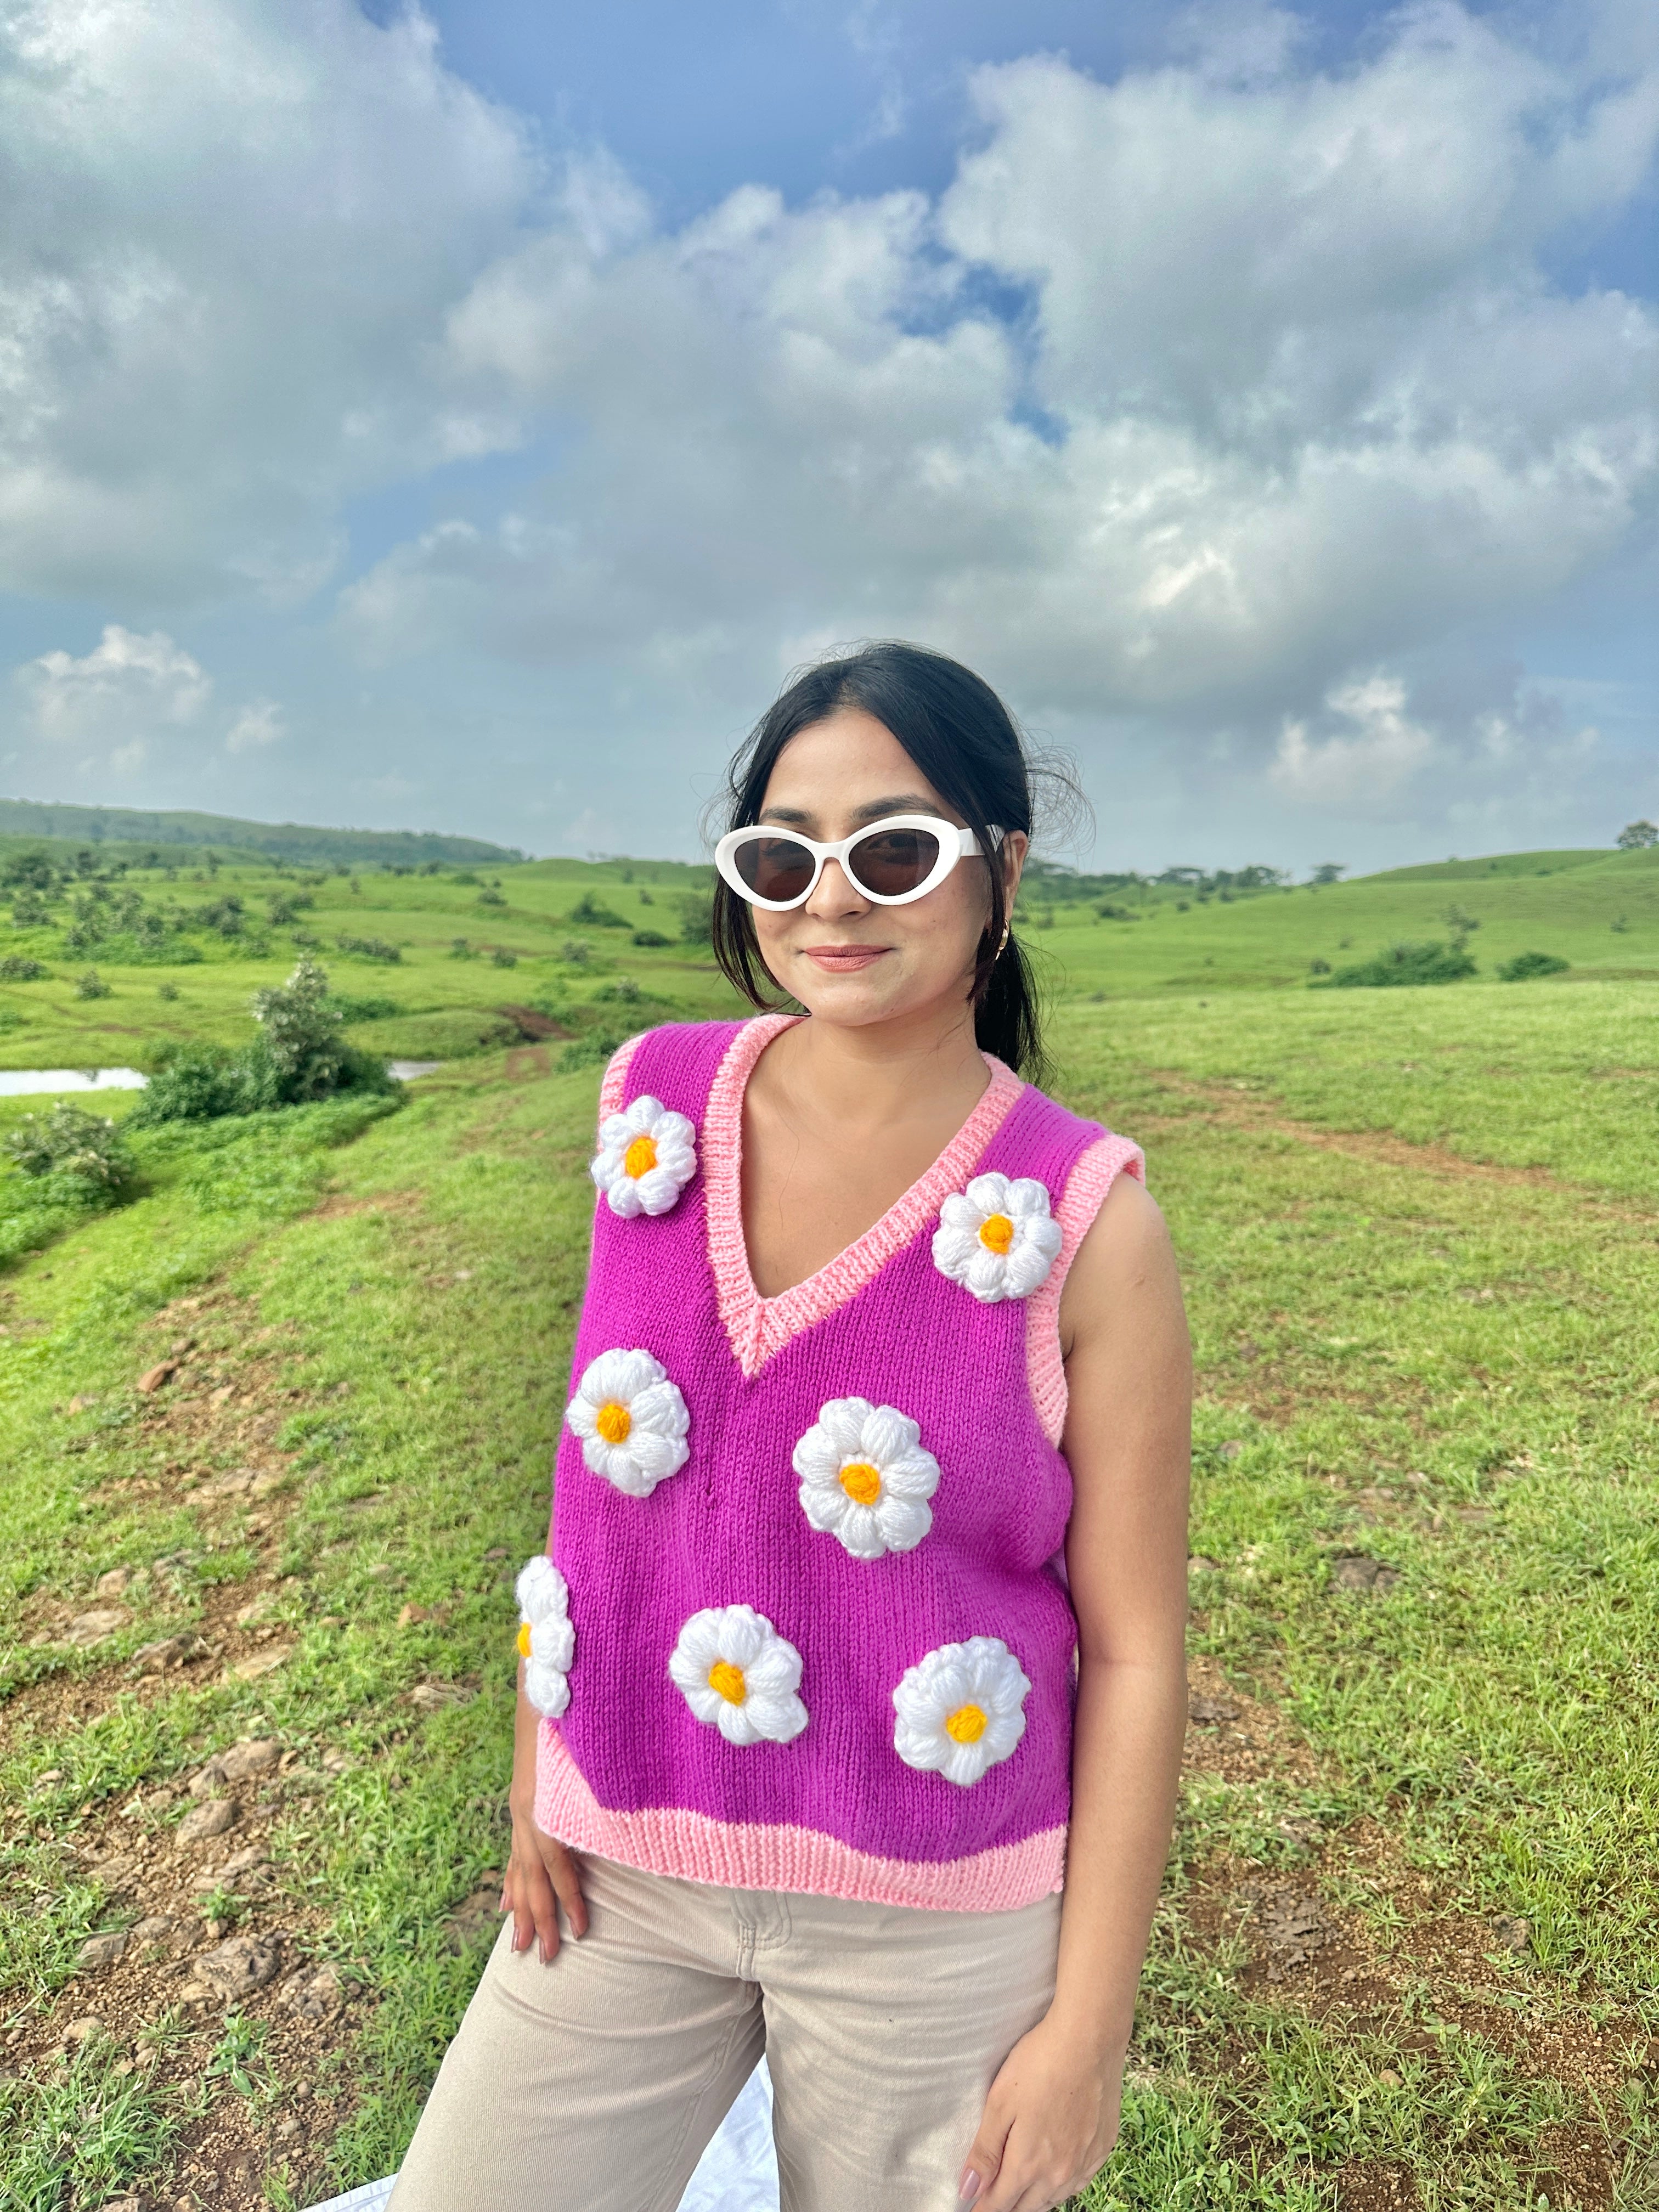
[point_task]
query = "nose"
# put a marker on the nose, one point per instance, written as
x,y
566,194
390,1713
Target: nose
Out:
x,y
834,896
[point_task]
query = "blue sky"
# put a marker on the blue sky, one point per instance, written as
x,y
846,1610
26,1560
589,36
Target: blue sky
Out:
x,y
464,419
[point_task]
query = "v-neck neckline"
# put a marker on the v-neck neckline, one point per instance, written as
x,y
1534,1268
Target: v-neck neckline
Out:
x,y
758,1326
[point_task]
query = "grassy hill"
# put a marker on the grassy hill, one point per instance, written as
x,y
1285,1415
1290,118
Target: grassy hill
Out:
x,y
180,950
131,830
279,1429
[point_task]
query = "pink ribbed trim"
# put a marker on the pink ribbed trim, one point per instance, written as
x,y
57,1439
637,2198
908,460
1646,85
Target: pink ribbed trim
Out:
x,y
760,1327
742,1855
613,1092
1084,1195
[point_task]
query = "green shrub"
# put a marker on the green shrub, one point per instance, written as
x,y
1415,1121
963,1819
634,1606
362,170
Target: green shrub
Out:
x,y
1525,965
651,938
589,913
590,1051
69,1141
89,984
299,1055
500,957
487,897
1403,964
697,919
15,969
193,1082
370,948
363,1010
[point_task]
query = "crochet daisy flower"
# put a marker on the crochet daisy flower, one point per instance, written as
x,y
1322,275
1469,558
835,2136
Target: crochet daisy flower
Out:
x,y
647,1157
864,1478
632,1421
547,1642
739,1675
960,1709
997,1238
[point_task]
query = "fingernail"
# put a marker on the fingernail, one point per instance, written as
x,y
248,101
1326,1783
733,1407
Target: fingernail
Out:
x,y
968,2188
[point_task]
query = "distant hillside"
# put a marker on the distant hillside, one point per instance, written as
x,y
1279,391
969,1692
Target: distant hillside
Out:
x,y
286,841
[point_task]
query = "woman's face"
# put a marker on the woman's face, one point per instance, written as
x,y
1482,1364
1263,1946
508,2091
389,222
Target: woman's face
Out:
x,y
845,958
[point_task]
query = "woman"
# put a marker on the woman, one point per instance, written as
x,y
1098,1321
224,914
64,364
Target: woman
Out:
x,y
853,1693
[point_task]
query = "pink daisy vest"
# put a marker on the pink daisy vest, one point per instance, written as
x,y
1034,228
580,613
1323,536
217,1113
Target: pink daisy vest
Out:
x,y
818,1633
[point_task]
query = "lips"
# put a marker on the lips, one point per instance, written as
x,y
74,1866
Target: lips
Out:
x,y
843,959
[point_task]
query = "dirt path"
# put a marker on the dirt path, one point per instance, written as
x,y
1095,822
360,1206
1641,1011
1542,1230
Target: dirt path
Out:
x,y
1236,1107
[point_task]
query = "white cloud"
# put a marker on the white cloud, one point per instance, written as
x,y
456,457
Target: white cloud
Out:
x,y
126,683
260,724
232,233
1297,398
1384,749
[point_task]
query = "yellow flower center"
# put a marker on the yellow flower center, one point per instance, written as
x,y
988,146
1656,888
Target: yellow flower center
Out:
x,y
728,1681
639,1158
613,1422
861,1482
997,1234
966,1725
524,1639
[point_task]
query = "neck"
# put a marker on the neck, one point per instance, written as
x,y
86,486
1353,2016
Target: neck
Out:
x,y
880,1073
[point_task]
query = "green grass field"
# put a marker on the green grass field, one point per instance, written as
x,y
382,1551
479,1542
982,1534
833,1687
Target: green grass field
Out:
x,y
1406,1956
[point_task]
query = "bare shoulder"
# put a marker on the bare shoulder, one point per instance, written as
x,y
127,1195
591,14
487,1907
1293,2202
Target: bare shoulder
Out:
x,y
1124,1267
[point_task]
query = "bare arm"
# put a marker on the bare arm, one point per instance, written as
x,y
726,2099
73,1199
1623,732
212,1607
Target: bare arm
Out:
x,y
1052,2116
541,1873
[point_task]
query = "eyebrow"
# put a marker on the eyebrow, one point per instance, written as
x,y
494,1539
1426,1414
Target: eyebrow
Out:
x,y
907,802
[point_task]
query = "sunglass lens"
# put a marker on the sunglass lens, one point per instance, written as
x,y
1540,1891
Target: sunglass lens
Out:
x,y
890,862
774,867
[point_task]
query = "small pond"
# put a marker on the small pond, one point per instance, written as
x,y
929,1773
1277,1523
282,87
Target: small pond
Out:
x,y
26,1082
21,1082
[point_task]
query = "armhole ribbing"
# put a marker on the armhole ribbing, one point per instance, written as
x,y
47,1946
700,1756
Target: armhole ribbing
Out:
x,y
1087,1188
613,1090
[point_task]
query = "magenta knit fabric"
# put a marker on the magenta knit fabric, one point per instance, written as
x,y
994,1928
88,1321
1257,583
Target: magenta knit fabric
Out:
x,y
628,1768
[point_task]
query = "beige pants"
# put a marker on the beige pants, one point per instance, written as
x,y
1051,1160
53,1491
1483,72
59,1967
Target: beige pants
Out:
x,y
594,2084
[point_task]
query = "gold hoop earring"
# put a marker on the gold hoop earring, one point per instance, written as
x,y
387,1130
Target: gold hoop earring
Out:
x,y
1007,930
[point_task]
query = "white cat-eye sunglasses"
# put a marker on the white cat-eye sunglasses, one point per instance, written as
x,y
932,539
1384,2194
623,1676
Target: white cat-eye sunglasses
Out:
x,y
901,858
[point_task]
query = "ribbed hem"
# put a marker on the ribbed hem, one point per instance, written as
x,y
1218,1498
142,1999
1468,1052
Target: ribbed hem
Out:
x,y
747,1855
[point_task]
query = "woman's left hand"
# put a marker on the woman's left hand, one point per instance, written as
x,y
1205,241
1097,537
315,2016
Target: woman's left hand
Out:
x,y
1049,2124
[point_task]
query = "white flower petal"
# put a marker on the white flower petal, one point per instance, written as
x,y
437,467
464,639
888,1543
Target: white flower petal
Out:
x,y
988,1194
904,1522
914,1474
986,1275
888,1435
842,1420
734,1724
540,1589
547,1689
817,1457
824,1507
660,1408
622,1197
778,1719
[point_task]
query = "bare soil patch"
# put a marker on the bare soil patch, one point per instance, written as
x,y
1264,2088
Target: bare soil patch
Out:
x,y
1234,1108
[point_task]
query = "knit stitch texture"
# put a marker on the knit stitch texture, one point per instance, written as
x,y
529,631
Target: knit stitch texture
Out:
x,y
829,1614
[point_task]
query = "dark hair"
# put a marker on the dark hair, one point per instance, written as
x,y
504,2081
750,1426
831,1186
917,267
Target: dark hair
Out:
x,y
965,742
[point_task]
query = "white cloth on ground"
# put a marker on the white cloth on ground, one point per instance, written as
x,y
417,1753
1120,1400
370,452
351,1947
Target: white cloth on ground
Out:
x,y
738,2173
